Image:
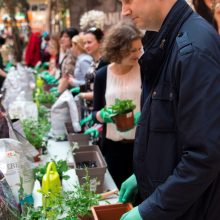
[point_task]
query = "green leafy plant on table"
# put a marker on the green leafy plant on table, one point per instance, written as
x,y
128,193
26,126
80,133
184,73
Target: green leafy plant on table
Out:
x,y
70,205
35,131
61,166
46,98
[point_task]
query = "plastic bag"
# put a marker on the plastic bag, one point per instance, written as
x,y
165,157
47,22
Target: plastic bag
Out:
x,y
19,82
64,110
23,110
23,166
8,205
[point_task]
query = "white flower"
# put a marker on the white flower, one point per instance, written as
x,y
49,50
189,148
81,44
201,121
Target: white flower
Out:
x,y
92,18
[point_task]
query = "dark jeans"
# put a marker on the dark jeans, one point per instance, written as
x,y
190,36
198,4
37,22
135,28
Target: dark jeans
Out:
x,y
119,158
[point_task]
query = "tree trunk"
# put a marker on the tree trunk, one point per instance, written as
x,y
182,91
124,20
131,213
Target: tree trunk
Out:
x,y
49,13
11,6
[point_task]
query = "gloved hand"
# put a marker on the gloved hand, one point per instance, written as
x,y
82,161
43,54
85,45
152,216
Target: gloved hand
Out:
x,y
85,120
128,190
45,65
54,90
75,90
93,132
48,78
106,115
136,117
132,214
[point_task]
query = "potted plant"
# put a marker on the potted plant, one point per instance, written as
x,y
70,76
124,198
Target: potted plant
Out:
x,y
61,167
123,114
110,211
35,132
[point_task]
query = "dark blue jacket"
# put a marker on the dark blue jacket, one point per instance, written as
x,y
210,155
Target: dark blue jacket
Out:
x,y
177,145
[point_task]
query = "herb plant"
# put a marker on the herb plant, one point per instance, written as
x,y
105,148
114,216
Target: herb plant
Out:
x,y
35,131
70,205
122,106
46,98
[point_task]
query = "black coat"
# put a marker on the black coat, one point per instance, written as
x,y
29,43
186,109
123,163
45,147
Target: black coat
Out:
x,y
177,144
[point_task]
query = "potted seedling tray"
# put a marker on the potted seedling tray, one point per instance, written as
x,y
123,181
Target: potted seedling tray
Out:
x,y
81,139
94,163
110,212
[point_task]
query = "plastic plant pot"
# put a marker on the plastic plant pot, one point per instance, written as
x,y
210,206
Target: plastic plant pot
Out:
x,y
125,121
110,212
95,173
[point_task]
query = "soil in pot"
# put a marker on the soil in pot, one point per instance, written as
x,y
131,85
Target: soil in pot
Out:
x,y
110,212
125,121
86,164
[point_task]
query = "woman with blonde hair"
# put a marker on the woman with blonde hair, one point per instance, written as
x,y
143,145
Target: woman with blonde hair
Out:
x,y
83,62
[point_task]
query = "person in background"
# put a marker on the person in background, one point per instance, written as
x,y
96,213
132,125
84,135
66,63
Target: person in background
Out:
x,y
177,142
66,59
32,52
210,10
83,62
121,79
53,49
2,72
45,55
92,44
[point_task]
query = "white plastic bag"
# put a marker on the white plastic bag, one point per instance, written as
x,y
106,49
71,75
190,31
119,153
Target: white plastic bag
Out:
x,y
64,110
19,84
24,166
23,110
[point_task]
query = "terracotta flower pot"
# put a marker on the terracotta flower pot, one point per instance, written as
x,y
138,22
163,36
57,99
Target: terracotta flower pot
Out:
x,y
110,212
125,121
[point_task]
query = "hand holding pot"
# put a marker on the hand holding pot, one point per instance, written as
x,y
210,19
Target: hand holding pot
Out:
x,y
128,190
131,215
136,117
106,115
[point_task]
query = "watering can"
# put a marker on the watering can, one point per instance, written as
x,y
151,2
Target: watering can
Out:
x,y
51,185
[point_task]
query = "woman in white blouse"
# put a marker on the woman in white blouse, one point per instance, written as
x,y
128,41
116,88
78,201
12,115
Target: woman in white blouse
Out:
x,y
120,79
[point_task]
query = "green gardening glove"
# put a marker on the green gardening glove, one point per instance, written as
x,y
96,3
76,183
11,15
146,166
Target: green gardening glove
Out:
x,y
54,90
45,65
49,79
136,117
132,214
85,120
93,132
106,115
128,190
75,90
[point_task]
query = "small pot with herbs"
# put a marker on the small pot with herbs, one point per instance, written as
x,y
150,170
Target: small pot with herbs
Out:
x,y
123,114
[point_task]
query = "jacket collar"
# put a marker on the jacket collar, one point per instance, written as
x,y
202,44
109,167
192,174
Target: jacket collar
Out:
x,y
157,45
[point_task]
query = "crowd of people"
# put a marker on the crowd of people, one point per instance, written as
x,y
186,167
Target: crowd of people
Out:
x,y
168,163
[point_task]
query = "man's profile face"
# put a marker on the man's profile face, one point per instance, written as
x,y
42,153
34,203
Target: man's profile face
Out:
x,y
144,13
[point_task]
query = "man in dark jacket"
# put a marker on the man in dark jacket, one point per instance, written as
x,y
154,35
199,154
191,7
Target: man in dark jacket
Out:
x,y
177,144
